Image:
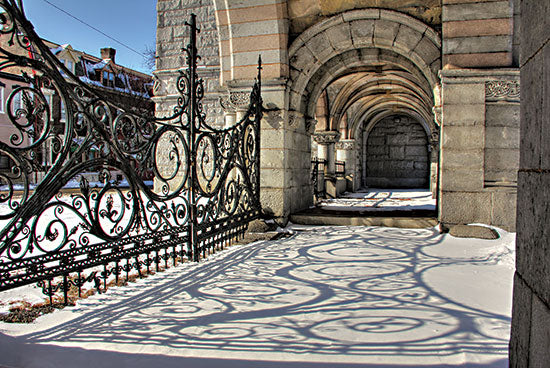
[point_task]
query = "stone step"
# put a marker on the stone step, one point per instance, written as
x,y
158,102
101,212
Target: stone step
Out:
x,y
390,219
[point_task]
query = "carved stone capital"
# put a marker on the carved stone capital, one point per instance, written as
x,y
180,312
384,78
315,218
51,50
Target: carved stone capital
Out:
x,y
234,101
503,90
347,144
326,137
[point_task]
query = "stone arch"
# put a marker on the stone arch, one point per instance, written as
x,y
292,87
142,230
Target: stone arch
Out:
x,y
369,95
368,32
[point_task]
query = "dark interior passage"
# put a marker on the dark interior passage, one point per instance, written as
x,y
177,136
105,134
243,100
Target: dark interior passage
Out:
x,y
396,154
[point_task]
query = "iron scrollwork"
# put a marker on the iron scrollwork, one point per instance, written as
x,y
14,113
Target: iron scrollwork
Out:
x,y
206,180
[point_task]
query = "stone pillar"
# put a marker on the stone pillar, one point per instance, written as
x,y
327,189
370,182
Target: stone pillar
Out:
x,y
530,339
346,152
322,152
433,148
479,155
327,140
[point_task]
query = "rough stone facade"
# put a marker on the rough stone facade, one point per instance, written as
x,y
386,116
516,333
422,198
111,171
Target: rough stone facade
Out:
x,y
397,154
530,339
449,65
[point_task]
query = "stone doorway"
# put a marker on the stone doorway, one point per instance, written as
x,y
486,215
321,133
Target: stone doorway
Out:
x,y
396,154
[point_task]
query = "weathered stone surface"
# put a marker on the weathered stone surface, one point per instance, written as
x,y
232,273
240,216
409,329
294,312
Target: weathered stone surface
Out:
x,y
535,16
465,114
340,37
521,324
465,138
463,93
462,159
501,159
473,231
539,349
545,134
504,209
468,45
479,27
465,207
531,113
533,248
502,115
481,10
462,179
362,32
479,60
385,32
427,50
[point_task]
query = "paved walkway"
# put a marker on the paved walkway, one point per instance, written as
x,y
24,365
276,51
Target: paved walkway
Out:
x,y
325,297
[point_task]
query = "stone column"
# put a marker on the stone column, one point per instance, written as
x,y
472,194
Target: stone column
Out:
x,y
433,149
346,152
326,141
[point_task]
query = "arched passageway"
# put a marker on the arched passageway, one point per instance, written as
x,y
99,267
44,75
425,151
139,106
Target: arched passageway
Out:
x,y
367,78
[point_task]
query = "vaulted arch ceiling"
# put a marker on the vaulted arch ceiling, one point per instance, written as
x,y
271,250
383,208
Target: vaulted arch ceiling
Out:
x,y
368,61
365,90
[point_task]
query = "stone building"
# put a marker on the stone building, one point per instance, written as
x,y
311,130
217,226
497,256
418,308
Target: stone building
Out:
x,y
407,93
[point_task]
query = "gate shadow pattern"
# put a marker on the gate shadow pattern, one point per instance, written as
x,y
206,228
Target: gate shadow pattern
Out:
x,y
359,293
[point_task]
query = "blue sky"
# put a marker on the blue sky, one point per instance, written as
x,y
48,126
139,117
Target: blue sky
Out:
x,y
133,22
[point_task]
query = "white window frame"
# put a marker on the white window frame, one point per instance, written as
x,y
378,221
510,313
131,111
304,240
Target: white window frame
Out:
x,y
2,101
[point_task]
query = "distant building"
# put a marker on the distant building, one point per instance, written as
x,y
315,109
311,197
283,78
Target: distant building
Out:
x,y
123,86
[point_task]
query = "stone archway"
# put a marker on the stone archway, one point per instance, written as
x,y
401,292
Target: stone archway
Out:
x,y
370,63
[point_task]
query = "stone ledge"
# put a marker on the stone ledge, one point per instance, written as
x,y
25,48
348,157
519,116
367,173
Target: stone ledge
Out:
x,y
473,231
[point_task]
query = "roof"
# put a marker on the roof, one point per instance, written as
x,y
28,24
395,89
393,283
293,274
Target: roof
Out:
x,y
126,80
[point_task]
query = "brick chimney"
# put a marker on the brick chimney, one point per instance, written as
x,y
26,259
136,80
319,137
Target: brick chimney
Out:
x,y
108,53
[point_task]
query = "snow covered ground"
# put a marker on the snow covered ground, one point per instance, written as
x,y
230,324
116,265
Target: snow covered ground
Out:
x,y
382,200
325,297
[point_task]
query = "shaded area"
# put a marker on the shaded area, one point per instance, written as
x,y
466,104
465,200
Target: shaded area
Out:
x,y
338,295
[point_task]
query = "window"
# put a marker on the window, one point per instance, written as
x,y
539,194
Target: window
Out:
x,y
108,79
63,116
70,65
49,101
16,102
2,100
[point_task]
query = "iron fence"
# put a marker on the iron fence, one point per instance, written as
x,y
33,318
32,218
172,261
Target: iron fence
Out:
x,y
206,180
318,177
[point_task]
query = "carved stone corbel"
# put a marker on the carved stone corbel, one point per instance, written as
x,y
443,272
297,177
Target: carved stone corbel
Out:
x,y
326,137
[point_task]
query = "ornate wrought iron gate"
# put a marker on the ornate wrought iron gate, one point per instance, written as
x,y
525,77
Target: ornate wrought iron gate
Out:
x,y
206,187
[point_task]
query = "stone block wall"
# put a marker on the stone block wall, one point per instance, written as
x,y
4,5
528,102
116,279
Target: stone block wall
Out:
x,y
530,339
397,154
172,36
478,33
479,147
